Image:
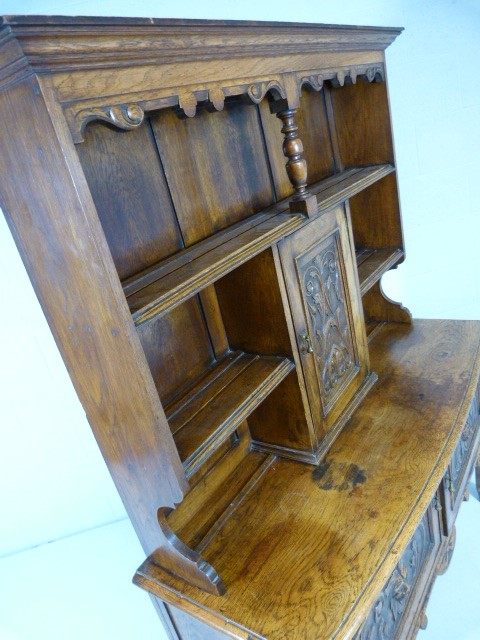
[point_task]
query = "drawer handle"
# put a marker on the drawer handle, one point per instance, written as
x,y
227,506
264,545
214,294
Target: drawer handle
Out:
x,y
307,346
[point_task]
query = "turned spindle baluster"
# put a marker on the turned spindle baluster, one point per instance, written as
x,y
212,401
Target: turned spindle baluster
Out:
x,y
296,166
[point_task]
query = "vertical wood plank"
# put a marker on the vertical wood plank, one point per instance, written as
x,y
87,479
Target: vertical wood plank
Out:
x,y
215,166
128,186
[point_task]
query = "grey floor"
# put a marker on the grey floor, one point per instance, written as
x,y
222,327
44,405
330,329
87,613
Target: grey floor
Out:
x,y
80,587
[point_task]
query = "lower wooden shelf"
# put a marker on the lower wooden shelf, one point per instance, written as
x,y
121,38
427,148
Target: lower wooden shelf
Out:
x,y
210,411
298,553
373,263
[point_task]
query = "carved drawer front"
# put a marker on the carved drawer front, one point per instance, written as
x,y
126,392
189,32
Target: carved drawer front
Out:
x,y
326,308
397,611
456,479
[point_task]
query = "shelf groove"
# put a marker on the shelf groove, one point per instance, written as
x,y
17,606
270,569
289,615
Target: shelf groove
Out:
x,y
214,407
373,263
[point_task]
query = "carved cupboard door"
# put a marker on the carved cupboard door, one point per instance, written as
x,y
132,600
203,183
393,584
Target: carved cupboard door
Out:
x,y
324,297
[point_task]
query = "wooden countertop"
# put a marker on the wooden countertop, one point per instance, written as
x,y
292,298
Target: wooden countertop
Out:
x,y
308,550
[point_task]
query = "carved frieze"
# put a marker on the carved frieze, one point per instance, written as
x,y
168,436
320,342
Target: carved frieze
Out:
x,y
287,86
323,289
386,614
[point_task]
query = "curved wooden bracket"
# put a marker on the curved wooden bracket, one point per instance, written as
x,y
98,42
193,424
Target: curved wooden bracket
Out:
x,y
378,306
178,559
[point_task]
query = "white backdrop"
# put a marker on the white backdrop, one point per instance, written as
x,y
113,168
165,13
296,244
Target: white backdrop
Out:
x,y
53,481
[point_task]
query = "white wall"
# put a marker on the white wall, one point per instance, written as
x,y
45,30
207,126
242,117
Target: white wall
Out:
x,y
53,481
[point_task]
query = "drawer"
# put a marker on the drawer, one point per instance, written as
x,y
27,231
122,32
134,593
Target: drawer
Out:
x,y
459,470
397,610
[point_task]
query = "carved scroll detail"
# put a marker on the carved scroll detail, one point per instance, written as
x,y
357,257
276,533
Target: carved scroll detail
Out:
x,y
461,453
385,616
374,73
257,91
286,86
323,291
125,116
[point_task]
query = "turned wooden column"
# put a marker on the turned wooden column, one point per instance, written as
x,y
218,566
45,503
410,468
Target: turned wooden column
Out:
x,y
296,166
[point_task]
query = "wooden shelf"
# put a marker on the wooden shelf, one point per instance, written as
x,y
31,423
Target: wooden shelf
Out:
x,y
168,283
346,184
172,281
210,411
307,527
373,263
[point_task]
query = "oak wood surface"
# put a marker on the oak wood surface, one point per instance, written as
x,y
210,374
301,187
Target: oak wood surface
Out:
x,y
373,263
178,285
322,288
322,533
214,408
134,205
175,194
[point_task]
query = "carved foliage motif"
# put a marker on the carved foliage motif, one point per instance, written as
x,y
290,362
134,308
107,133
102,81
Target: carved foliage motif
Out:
x,y
462,450
384,618
287,86
323,290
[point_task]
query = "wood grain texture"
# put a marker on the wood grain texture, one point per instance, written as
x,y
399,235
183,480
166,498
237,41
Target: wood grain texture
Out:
x,y
130,193
363,123
220,402
57,231
196,158
177,285
373,263
309,517
322,289
313,131
177,357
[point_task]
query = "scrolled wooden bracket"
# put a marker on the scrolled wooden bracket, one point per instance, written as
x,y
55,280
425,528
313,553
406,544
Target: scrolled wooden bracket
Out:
x,y
176,558
296,166
124,116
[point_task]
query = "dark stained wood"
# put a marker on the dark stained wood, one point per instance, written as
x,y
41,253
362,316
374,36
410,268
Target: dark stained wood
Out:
x,y
195,157
381,198
313,131
131,196
178,348
377,307
344,185
325,303
309,550
363,123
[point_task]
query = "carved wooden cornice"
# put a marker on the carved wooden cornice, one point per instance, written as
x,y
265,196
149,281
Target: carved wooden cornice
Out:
x,y
92,62
54,43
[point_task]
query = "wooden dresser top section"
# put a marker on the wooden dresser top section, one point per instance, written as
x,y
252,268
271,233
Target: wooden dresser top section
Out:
x,y
116,69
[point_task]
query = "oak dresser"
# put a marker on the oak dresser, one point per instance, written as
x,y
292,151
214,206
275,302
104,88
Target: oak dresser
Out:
x,y
206,210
